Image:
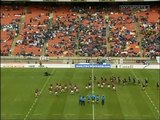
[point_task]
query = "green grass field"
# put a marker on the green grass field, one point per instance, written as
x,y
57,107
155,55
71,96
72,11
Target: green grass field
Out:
x,y
128,102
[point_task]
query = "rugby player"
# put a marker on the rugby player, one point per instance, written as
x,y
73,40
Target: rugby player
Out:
x,y
93,98
88,98
97,98
51,88
103,100
72,91
119,80
157,85
98,84
37,92
113,87
56,91
143,86
146,82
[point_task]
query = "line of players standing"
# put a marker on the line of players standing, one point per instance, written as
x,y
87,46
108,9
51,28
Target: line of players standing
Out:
x,y
91,99
60,88
117,80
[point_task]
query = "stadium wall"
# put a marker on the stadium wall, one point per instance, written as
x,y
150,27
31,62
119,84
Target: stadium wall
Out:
x,y
37,66
136,66
118,66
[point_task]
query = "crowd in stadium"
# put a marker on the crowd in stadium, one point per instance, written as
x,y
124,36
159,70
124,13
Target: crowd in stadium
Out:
x,y
76,30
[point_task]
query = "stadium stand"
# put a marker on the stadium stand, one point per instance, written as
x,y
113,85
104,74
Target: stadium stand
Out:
x,y
149,26
64,35
92,32
33,31
10,19
70,30
123,38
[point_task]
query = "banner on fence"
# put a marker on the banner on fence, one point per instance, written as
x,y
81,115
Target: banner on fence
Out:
x,y
92,66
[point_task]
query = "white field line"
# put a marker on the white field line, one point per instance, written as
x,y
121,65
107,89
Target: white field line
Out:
x,y
148,96
78,114
93,110
93,117
36,99
151,101
71,114
11,114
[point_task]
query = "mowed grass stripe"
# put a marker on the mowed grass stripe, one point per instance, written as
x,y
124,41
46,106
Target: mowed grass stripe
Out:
x,y
69,102
112,102
145,95
125,92
36,99
126,99
19,89
49,103
64,101
43,103
127,104
82,77
138,100
152,82
77,77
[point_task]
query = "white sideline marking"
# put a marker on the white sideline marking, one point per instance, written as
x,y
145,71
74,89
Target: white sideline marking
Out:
x,y
152,102
148,97
70,114
35,101
31,108
11,114
93,92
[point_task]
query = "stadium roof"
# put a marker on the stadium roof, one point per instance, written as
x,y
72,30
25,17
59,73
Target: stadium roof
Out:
x,y
84,0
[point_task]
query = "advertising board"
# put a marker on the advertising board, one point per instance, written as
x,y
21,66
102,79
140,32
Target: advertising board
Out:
x,y
92,66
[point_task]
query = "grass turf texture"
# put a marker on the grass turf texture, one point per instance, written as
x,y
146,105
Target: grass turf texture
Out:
x,y
127,102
